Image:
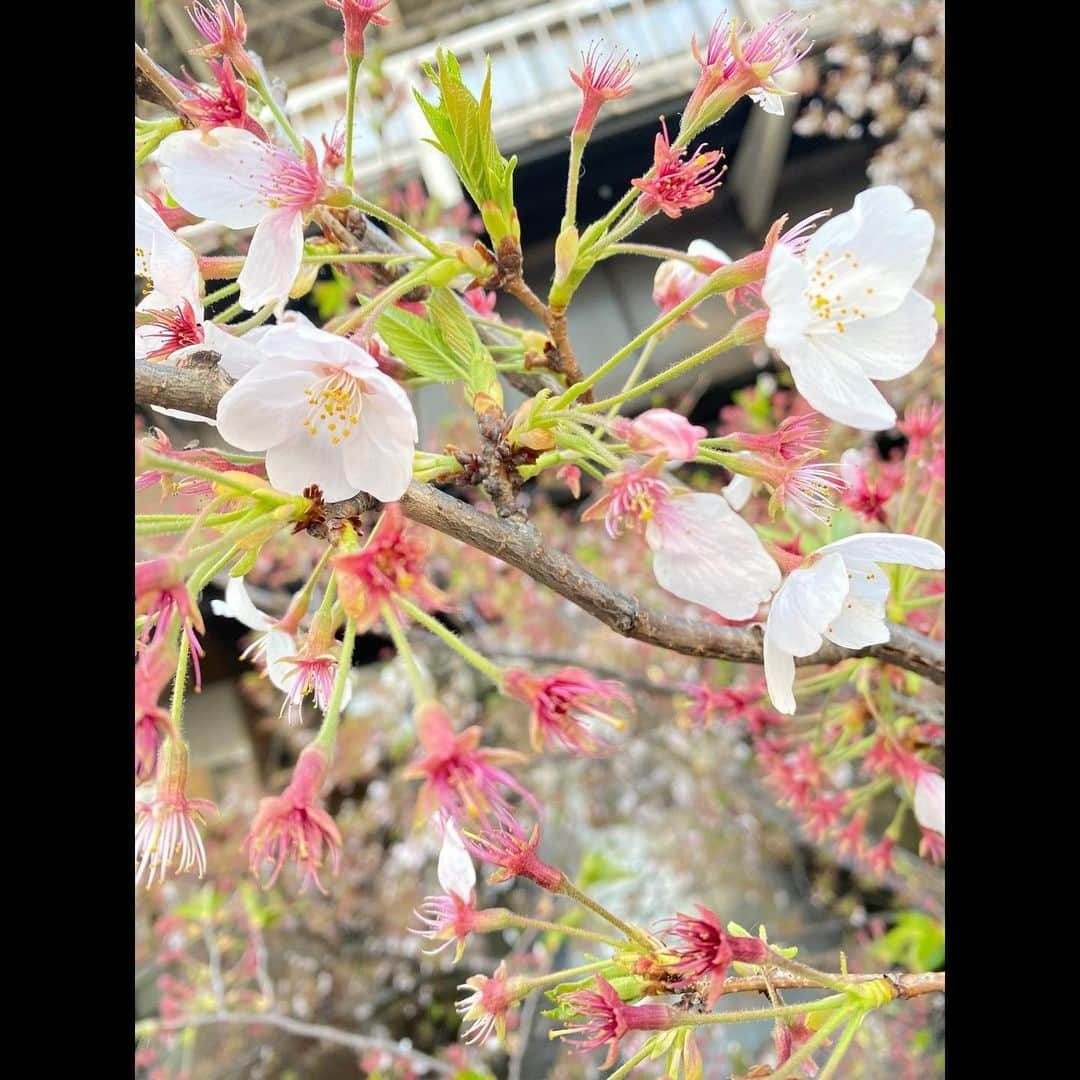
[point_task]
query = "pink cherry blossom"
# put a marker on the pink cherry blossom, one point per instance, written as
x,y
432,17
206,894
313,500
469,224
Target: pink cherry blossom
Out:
x,y
661,431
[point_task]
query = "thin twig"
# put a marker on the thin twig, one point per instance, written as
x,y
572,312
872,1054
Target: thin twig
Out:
x,y
322,1032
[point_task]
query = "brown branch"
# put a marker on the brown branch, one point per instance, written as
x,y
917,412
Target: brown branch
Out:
x,y
322,1032
905,984
521,545
153,85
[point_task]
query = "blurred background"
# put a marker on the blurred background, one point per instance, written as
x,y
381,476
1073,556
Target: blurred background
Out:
x,y
676,814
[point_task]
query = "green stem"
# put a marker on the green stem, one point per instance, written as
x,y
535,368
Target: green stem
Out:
x,y
230,312
373,308
635,374
577,148
720,281
282,121
176,711
568,973
793,1063
471,656
653,251
350,114
841,1047
833,982
328,732
421,690
376,211
144,527
559,928
630,1064
257,319
727,342
151,460
742,1016
224,291
569,889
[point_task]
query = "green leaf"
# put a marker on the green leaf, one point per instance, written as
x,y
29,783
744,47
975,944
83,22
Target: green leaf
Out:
x,y
917,941
419,345
454,325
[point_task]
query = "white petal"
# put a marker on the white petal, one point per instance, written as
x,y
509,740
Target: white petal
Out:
x,y
166,261
868,582
710,251
456,871
930,801
306,459
273,260
772,103
238,354
738,491
710,556
279,646
835,385
890,548
874,252
267,406
893,344
784,292
859,624
779,674
296,336
238,605
179,414
379,454
225,174
806,605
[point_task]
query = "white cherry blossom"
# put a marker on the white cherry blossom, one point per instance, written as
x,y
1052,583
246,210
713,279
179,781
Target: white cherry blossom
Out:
x,y
840,597
324,413
844,311
237,179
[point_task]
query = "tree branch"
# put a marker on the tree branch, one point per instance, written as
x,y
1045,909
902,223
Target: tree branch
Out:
x,y
194,389
322,1032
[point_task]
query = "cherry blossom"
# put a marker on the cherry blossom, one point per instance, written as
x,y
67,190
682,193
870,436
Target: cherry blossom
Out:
x,y
324,413
845,312
237,179
840,596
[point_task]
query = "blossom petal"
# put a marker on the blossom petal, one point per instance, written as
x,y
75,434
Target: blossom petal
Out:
x,y
738,491
273,260
266,407
379,455
709,555
302,460
771,102
890,548
179,414
280,647
779,674
224,174
710,251
874,252
784,293
836,385
859,624
806,605
457,874
165,260
238,354
930,801
238,605
297,337
893,344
